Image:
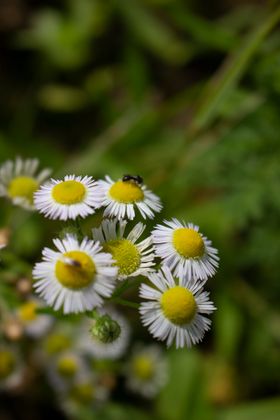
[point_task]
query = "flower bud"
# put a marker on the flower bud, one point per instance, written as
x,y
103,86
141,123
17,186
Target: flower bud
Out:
x,y
105,329
13,329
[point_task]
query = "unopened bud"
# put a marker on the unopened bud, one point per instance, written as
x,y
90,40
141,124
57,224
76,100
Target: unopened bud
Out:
x,y
24,286
105,329
13,329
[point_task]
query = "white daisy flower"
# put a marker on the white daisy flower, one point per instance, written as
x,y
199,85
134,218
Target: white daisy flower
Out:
x,y
77,277
175,308
18,181
68,198
131,257
34,324
121,198
11,368
65,369
185,250
146,371
58,341
91,344
85,393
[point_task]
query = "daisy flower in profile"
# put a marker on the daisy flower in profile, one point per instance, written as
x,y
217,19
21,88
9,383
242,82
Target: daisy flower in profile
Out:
x,y
34,324
185,250
146,371
76,277
68,198
122,197
19,181
105,338
174,309
132,257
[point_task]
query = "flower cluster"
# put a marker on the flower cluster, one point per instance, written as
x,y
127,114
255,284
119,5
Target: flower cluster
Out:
x,y
82,273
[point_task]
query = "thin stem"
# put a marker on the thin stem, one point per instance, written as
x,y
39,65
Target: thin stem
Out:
x,y
119,290
79,227
126,284
125,302
93,314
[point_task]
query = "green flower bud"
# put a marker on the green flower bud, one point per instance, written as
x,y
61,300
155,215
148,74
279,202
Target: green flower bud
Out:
x,y
105,329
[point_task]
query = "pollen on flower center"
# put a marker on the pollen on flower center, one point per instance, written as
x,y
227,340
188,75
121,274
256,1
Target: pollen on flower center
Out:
x,y
178,305
188,243
67,366
125,253
76,273
126,192
24,187
7,363
69,192
143,367
27,311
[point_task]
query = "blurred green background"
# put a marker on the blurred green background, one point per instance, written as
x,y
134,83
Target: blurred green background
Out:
x,y
187,94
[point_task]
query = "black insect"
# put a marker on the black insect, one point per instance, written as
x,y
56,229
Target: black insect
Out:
x,y
72,262
134,178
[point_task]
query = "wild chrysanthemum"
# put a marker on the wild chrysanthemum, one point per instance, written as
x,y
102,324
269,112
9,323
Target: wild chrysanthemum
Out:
x,y
57,342
68,198
185,250
99,343
174,309
132,258
121,198
146,371
18,181
86,392
34,324
76,277
64,370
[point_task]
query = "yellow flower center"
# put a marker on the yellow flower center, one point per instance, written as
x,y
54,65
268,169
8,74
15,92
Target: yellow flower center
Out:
x,y
27,312
125,253
126,192
83,393
69,192
56,343
67,366
188,243
7,363
23,187
143,367
178,305
76,271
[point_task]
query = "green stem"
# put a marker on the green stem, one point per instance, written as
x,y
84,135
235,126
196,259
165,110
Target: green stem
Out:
x,y
93,314
119,290
126,284
125,302
79,227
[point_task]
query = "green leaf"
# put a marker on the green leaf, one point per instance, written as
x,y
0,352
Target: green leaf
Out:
x,y
153,33
227,327
260,410
180,399
231,72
